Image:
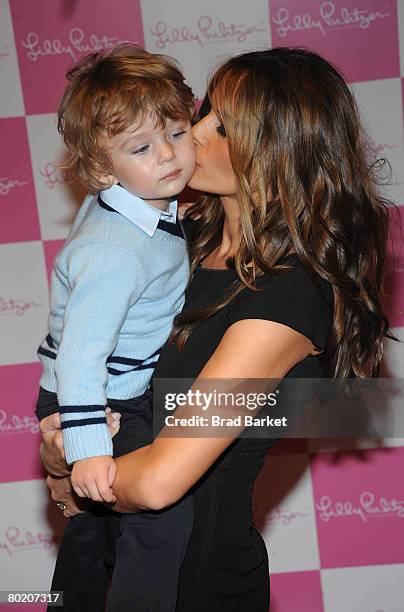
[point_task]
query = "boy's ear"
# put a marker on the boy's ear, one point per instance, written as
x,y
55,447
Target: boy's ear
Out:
x,y
108,180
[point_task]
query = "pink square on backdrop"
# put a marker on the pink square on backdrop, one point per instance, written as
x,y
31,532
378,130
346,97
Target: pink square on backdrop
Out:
x,y
296,591
359,503
51,36
51,248
19,436
18,211
394,276
360,37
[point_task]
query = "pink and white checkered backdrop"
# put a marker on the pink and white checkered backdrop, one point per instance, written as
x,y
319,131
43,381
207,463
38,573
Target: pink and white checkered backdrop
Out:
x,y
332,515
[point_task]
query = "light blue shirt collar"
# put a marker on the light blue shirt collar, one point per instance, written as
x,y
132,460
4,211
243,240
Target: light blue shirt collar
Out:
x,y
137,210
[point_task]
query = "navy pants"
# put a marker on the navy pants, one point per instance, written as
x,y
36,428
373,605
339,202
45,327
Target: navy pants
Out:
x,y
143,551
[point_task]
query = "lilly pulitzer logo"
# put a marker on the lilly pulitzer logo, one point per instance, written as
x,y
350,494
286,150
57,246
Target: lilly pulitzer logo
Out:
x,y
54,175
16,540
204,31
367,507
14,424
7,185
267,515
329,18
76,44
16,306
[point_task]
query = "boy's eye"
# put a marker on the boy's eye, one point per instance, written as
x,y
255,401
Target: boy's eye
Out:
x,y
178,134
221,130
142,149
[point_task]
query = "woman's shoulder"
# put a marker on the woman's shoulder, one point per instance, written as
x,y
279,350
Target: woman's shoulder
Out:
x,y
296,297
297,279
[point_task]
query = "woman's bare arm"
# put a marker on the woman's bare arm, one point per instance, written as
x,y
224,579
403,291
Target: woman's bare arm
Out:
x,y
160,474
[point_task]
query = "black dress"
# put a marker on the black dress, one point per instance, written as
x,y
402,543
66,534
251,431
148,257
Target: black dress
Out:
x,y
226,565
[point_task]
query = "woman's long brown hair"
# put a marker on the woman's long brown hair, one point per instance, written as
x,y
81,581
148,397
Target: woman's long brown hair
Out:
x,y
307,185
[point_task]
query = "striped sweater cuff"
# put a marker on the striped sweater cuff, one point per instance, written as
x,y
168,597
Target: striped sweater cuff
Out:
x,y
85,432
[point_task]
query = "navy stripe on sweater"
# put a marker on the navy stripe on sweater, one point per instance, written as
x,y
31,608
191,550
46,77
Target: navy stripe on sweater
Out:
x,y
82,422
50,342
128,361
42,351
84,408
144,366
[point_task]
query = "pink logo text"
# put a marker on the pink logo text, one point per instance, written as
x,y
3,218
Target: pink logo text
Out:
x,y
76,45
53,175
16,540
15,424
329,18
7,185
366,508
205,31
18,307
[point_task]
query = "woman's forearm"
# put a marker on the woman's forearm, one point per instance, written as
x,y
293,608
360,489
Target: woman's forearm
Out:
x,y
159,475
135,486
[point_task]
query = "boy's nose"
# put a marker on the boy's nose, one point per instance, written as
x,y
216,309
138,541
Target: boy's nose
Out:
x,y
166,152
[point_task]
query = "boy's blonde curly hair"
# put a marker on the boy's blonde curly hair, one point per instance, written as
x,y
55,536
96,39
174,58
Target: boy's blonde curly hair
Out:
x,y
110,91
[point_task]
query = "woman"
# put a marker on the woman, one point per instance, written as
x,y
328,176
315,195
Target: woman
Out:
x,y
287,255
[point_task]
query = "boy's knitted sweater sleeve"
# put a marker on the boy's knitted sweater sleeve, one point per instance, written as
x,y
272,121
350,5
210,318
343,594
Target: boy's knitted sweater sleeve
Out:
x,y
105,282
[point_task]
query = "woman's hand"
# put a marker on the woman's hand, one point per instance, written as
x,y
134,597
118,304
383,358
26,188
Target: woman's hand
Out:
x,y
52,451
61,491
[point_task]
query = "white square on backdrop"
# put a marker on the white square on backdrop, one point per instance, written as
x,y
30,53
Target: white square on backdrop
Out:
x,y
27,536
11,101
284,513
201,35
381,106
374,588
58,197
23,301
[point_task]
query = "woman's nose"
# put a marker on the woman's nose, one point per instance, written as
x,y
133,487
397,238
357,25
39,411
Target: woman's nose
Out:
x,y
197,133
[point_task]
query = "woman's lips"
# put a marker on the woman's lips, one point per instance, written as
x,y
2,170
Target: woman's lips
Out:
x,y
172,176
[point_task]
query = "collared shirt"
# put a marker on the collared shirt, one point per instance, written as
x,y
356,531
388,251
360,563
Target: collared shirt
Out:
x,y
137,210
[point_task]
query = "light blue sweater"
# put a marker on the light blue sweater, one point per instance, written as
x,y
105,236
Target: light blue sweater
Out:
x,y
117,284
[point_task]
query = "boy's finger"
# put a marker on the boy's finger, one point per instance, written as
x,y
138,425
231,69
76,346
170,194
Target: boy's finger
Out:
x,y
112,473
106,492
79,490
94,493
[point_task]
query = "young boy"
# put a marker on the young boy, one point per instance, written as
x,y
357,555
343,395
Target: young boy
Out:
x,y
117,284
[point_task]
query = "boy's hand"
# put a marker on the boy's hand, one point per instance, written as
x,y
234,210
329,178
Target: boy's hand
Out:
x,y
52,450
93,478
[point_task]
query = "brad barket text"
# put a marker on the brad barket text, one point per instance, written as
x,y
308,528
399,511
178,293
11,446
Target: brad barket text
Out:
x,y
246,420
